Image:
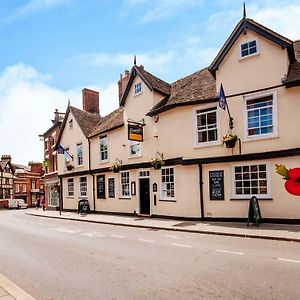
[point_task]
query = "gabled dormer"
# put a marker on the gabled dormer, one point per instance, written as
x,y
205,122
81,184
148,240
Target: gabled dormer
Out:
x,y
253,57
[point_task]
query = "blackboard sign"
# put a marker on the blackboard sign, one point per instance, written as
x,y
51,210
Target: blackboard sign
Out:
x,y
101,186
216,185
83,206
111,187
254,215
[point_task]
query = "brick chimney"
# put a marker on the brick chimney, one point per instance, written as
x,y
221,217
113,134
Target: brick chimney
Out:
x,y
122,83
90,101
6,157
36,167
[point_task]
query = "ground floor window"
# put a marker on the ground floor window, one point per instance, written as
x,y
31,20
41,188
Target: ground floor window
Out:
x,y
251,180
70,187
125,188
101,186
167,184
83,186
53,195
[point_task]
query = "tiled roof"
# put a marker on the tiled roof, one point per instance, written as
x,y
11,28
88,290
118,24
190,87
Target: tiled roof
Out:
x,y
155,82
3,164
195,88
109,122
297,49
85,120
293,76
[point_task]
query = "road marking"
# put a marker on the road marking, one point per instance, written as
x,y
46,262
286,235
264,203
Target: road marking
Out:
x,y
172,236
289,260
146,241
231,252
91,234
182,245
118,236
63,230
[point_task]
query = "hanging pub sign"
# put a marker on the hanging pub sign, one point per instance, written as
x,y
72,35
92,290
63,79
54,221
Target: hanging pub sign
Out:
x,y
135,132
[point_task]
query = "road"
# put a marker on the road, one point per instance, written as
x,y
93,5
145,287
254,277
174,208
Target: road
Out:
x,y
59,259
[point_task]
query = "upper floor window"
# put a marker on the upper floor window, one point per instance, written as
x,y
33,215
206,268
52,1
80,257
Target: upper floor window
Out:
x,y
33,184
261,116
79,154
137,88
134,148
24,188
70,123
46,144
103,148
249,48
17,188
83,186
207,130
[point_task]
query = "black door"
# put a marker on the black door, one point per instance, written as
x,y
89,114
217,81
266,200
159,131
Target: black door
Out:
x,y
144,196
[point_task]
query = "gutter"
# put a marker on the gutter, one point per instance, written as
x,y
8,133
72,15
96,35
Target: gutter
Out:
x,y
94,200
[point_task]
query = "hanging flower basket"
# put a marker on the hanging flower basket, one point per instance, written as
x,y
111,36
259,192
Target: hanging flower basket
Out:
x,y
69,166
116,167
229,140
158,162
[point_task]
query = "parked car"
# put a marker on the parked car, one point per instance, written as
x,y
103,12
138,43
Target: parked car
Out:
x,y
12,203
21,203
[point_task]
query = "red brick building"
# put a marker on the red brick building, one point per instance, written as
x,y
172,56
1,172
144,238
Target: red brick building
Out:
x,y
52,183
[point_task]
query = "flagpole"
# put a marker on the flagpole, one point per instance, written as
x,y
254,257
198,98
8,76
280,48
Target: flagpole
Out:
x,y
223,104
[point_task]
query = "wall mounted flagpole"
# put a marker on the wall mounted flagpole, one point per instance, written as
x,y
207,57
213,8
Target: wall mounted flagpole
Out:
x,y
223,104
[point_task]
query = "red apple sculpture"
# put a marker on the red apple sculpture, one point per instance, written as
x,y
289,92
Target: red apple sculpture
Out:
x,y
292,177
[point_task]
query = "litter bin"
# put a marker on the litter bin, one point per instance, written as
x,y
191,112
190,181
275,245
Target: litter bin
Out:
x,y
83,206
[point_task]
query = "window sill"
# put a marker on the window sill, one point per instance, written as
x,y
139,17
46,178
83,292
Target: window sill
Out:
x,y
70,197
102,198
260,137
102,162
135,156
167,200
248,199
137,94
248,56
207,144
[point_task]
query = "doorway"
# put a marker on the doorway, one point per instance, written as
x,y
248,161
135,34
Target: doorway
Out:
x,y
144,196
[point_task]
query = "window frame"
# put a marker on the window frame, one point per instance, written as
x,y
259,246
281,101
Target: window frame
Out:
x,y
82,193
79,157
130,145
100,151
166,198
247,42
248,196
211,143
70,193
101,196
255,96
122,196
138,88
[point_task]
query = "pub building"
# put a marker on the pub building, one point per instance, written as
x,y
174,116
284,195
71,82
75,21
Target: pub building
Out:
x,y
185,156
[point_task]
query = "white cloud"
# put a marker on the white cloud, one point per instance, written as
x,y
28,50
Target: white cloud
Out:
x,y
27,102
161,9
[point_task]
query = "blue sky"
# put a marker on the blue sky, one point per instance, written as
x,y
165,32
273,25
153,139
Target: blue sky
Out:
x,y
52,49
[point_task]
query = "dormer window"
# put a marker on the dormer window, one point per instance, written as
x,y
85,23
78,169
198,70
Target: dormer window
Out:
x,y
137,88
249,48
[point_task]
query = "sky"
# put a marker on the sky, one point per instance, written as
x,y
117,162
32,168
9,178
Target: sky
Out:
x,y
51,49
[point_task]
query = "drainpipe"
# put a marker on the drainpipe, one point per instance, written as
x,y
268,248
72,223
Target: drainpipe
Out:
x,y
94,202
61,195
200,166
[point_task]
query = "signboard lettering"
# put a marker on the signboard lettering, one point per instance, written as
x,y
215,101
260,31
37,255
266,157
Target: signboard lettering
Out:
x,y
135,132
216,185
111,187
101,186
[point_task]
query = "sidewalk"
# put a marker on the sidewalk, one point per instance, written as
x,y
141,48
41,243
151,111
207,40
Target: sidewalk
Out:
x,y
10,291
282,232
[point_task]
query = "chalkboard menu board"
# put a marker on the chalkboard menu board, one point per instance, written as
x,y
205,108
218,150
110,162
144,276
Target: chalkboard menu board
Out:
x,y
111,187
101,186
216,185
254,215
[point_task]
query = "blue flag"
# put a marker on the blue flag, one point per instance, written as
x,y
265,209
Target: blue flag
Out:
x,y
222,98
60,149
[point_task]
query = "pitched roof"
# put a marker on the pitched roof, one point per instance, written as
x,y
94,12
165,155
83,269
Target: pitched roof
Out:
x,y
199,87
86,121
112,121
3,164
245,24
293,76
151,81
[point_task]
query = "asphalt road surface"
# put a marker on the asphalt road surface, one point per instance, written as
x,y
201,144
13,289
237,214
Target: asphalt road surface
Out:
x,y
59,259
